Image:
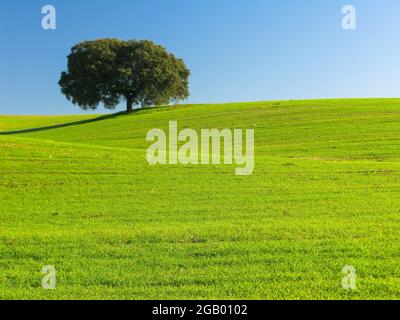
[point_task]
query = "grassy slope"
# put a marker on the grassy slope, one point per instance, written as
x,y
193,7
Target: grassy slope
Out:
x,y
12,123
324,194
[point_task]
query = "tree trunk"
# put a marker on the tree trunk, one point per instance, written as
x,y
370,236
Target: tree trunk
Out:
x,y
129,105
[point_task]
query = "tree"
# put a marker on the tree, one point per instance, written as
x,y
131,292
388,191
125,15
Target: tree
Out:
x,y
110,70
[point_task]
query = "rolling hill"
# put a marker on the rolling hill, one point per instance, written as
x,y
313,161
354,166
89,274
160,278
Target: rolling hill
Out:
x,y
78,194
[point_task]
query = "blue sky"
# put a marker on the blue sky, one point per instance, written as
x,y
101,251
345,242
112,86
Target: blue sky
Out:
x,y
237,50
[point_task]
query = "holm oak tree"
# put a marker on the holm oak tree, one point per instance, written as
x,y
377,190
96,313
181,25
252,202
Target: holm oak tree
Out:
x,y
109,71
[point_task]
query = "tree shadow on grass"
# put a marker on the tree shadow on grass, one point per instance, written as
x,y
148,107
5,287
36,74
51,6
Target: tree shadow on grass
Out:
x,y
64,125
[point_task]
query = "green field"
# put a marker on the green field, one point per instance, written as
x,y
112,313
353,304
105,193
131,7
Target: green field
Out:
x,y
325,193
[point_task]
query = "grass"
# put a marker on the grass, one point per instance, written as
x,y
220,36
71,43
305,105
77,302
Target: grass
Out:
x,y
324,194
14,123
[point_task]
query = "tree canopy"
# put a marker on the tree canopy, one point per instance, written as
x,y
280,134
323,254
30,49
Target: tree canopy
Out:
x,y
109,71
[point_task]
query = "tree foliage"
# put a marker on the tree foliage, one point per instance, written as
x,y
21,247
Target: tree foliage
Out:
x,y
110,70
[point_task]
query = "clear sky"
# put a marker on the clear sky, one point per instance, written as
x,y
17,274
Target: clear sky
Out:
x,y
237,50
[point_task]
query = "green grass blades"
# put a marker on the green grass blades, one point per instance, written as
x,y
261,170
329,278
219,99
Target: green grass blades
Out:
x,y
15,123
324,194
